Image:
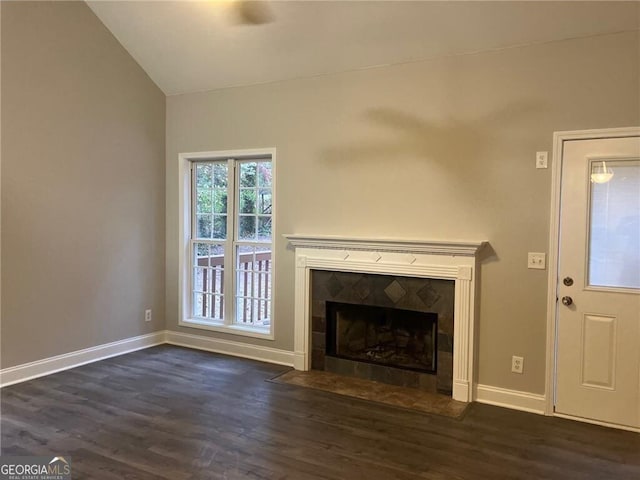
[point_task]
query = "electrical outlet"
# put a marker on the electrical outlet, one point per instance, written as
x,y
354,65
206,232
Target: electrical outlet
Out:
x,y
147,315
517,364
537,260
541,159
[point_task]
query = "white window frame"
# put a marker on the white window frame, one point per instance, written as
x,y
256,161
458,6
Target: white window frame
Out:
x,y
185,195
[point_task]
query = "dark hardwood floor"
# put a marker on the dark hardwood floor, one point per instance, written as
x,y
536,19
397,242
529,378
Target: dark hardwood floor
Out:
x,y
179,414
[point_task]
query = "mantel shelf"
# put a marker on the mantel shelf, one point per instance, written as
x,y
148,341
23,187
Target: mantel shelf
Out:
x,y
437,247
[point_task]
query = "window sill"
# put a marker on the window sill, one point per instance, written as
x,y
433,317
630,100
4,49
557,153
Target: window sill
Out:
x,y
264,333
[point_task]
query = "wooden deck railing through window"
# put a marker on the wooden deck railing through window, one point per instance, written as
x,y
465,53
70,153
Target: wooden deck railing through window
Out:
x,y
253,282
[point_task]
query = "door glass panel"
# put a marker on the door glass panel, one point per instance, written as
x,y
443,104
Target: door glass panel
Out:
x,y
614,230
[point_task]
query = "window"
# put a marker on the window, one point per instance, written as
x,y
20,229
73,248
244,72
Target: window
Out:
x,y
614,225
227,274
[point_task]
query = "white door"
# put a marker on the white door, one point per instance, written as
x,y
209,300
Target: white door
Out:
x,y
598,310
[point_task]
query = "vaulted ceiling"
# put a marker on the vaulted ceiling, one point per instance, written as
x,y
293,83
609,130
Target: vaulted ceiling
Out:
x,y
188,46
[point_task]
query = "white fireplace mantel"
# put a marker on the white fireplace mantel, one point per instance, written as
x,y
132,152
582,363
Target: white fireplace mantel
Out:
x,y
414,258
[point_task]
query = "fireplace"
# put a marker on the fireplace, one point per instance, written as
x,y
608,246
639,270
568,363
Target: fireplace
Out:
x,y
386,328
452,261
384,336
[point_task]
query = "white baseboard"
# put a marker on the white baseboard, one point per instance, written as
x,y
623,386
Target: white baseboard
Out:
x,y
228,347
514,399
502,397
47,366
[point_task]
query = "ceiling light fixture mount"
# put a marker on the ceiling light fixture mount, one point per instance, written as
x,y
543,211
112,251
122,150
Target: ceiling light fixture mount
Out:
x,y
254,12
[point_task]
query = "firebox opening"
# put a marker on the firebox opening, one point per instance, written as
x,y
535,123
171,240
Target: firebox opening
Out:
x,y
387,336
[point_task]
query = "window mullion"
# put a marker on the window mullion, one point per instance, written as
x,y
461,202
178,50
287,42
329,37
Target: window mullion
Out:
x,y
229,249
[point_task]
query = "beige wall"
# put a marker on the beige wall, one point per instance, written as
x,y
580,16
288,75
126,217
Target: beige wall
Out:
x,y
82,185
440,149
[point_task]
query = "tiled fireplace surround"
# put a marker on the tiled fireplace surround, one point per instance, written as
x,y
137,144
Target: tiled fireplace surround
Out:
x,y
407,293
416,267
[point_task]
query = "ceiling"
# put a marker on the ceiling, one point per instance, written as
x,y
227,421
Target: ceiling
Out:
x,y
189,46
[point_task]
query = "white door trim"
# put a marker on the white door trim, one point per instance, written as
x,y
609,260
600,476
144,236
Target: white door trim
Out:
x,y
554,241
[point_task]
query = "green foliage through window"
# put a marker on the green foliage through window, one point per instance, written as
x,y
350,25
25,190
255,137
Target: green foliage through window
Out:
x,y
255,201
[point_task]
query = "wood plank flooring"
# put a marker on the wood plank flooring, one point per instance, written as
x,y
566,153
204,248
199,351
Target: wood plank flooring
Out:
x,y
179,414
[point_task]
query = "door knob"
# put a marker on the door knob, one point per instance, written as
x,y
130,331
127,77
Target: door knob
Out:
x,y
566,301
